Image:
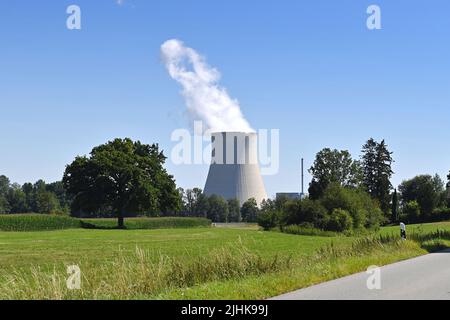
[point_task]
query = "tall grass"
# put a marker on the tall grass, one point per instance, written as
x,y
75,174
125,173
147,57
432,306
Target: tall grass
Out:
x,y
431,241
37,222
45,222
142,276
139,275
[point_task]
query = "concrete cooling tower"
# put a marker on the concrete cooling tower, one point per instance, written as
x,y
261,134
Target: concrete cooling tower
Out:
x,y
234,171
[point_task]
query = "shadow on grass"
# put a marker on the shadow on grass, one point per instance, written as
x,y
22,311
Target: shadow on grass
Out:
x,y
91,226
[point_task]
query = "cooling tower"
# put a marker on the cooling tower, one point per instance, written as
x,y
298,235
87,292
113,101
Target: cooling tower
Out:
x,y
234,171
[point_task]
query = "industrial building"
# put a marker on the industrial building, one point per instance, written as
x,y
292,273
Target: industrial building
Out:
x,y
234,172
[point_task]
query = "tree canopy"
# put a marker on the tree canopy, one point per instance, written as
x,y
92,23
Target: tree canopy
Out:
x,y
377,172
333,166
426,190
123,177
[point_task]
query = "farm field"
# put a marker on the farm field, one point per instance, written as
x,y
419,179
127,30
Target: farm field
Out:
x,y
47,248
97,251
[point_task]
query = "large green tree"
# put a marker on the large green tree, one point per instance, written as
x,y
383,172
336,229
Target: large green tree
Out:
x,y
17,199
333,166
234,211
124,177
46,202
395,216
377,172
191,200
447,192
4,185
218,209
250,210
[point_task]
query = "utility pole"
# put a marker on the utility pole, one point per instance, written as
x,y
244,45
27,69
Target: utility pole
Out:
x,y
303,191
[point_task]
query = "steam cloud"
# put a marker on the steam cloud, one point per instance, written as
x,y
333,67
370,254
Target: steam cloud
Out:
x,y
205,99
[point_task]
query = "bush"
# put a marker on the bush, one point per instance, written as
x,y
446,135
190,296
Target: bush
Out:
x,y
268,219
411,212
364,211
340,221
356,207
441,214
218,209
250,211
305,211
308,231
427,190
37,222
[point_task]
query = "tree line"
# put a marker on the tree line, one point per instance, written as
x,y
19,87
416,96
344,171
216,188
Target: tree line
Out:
x,y
348,194
124,178
38,197
196,204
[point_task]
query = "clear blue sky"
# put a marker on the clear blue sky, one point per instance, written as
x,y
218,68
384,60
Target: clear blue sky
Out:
x,y
310,68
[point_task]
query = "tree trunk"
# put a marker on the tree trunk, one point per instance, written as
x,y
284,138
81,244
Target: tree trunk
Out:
x,y
120,221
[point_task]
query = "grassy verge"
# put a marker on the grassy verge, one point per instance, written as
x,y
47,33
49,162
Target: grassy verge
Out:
x,y
304,275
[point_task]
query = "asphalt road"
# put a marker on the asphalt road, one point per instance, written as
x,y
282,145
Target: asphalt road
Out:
x,y
425,278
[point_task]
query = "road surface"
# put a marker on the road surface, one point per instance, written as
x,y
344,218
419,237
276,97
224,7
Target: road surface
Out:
x,y
426,277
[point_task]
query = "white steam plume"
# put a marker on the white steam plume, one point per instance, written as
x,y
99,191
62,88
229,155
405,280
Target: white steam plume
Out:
x,y
205,99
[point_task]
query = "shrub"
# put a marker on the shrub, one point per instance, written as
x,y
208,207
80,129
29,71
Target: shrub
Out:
x,y
305,211
308,231
441,214
375,218
427,190
268,219
364,211
250,211
411,211
340,221
218,209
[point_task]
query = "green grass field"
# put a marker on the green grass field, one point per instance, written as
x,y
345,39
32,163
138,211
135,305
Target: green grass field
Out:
x,y
46,248
97,251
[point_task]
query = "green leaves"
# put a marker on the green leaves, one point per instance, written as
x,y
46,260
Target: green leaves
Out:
x,y
123,177
377,171
333,166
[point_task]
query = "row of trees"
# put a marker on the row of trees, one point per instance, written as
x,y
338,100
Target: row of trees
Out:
x,y
125,178
39,197
196,204
371,173
338,209
362,194
423,198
